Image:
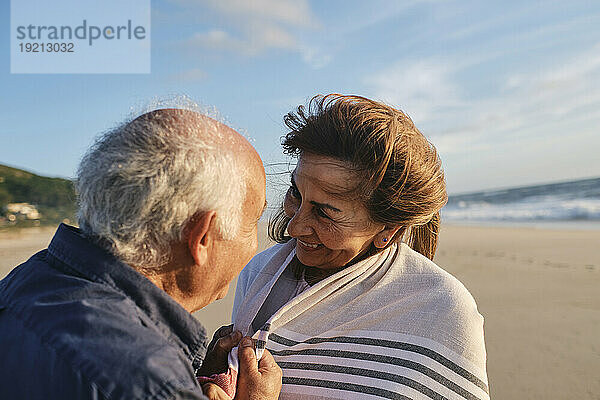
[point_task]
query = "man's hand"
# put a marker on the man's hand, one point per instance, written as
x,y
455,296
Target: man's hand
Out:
x,y
257,381
221,344
214,392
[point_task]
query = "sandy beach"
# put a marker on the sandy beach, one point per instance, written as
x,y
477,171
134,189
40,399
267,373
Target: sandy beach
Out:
x,y
18,245
538,290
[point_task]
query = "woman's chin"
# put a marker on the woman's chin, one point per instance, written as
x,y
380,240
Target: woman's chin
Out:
x,y
310,260
303,258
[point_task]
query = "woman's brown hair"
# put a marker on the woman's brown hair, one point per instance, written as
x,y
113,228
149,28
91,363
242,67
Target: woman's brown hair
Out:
x,y
400,173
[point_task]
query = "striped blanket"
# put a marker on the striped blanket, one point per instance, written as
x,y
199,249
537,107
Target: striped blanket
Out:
x,y
393,326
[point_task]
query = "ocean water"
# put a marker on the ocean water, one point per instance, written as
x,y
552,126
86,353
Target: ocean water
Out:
x,y
567,204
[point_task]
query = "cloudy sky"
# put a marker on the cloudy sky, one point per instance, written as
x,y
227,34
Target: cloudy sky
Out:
x,y
509,91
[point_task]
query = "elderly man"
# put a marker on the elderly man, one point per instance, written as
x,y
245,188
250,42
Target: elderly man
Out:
x,y
168,212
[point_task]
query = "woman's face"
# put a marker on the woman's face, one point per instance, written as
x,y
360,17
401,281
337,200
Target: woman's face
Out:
x,y
330,230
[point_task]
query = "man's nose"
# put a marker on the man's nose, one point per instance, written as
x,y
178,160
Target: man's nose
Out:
x,y
300,224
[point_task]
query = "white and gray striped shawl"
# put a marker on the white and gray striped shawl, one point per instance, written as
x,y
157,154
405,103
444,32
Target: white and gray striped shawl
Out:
x,y
393,326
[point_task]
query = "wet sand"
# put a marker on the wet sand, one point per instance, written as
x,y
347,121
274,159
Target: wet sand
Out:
x,y
537,289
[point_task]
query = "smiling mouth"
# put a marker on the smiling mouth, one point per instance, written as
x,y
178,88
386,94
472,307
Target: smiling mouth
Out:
x,y
309,245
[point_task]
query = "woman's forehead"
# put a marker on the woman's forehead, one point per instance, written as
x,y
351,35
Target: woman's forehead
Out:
x,y
330,174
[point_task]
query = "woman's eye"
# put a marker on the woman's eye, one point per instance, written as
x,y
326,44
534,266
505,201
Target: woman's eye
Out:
x,y
322,213
295,192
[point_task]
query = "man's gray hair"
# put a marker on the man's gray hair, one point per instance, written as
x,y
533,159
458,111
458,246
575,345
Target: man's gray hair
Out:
x,y
141,182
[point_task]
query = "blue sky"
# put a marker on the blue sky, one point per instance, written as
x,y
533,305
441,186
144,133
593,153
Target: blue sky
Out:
x,y
509,91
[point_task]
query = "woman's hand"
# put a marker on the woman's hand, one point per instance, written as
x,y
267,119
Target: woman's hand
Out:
x,y
221,344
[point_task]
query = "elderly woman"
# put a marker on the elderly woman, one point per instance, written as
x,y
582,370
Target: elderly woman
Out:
x,y
349,302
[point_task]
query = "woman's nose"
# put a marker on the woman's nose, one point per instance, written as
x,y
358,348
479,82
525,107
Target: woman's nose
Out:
x,y
299,225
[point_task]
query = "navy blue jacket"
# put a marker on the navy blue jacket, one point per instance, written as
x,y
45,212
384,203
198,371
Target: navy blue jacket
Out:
x,y
76,323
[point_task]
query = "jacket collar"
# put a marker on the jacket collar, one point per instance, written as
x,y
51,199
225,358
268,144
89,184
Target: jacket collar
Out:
x,y
81,255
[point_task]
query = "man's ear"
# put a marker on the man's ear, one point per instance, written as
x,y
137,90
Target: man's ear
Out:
x,y
384,237
201,236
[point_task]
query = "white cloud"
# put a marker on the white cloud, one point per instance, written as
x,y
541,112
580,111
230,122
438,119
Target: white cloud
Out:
x,y
215,39
514,124
482,25
190,75
527,100
292,12
423,89
260,37
265,35
258,26
572,72
315,57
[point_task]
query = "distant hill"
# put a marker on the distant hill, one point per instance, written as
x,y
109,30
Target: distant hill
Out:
x,y
54,198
